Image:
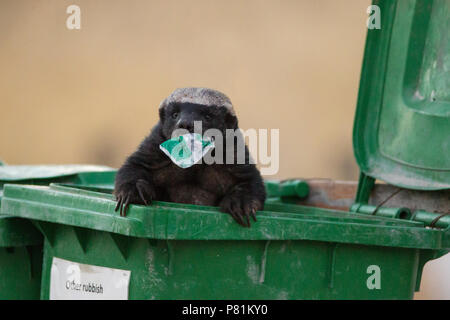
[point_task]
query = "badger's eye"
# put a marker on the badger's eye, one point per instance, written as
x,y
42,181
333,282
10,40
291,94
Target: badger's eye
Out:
x,y
175,115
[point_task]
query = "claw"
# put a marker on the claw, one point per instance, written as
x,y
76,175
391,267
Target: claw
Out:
x,y
237,214
248,222
142,195
241,219
246,214
248,210
240,208
122,214
235,217
241,222
247,217
119,203
127,203
253,214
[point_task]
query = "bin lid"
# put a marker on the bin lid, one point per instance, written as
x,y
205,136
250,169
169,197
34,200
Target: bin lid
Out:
x,y
20,232
26,172
71,206
401,132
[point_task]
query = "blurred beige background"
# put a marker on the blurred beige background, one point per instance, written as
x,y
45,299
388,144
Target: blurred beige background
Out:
x,y
91,95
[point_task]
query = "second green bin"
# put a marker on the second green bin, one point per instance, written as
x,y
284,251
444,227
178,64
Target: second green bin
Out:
x,y
20,242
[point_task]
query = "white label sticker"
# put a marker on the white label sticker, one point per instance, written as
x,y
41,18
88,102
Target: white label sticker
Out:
x,y
76,281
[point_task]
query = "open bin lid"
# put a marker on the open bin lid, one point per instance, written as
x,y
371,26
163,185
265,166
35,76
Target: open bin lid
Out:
x,y
401,132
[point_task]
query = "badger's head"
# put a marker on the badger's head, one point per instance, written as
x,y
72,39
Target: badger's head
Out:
x,y
184,106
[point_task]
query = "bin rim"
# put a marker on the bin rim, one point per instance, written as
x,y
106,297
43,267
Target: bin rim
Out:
x,y
13,173
94,210
15,232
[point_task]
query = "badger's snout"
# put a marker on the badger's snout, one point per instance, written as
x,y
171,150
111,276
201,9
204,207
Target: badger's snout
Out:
x,y
186,124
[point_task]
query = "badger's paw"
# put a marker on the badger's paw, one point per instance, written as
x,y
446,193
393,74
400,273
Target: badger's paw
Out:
x,y
241,207
140,192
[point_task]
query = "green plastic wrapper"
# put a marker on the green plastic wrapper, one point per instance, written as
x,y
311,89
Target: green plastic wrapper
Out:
x,y
186,150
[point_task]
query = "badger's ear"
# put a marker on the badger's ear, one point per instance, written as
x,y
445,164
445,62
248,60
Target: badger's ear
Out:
x,y
162,109
231,121
161,114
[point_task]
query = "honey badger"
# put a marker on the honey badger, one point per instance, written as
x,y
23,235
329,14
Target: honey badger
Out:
x,y
148,174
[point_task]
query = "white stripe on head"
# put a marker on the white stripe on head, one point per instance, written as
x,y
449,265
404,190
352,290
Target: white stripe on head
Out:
x,y
202,96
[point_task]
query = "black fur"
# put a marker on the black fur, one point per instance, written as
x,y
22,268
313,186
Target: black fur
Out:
x,y
148,174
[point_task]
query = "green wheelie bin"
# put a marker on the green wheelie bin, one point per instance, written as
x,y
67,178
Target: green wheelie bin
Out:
x,y
20,242
178,251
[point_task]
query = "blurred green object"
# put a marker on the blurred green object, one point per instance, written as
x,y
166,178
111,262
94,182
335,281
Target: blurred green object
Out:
x,y
287,188
20,242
